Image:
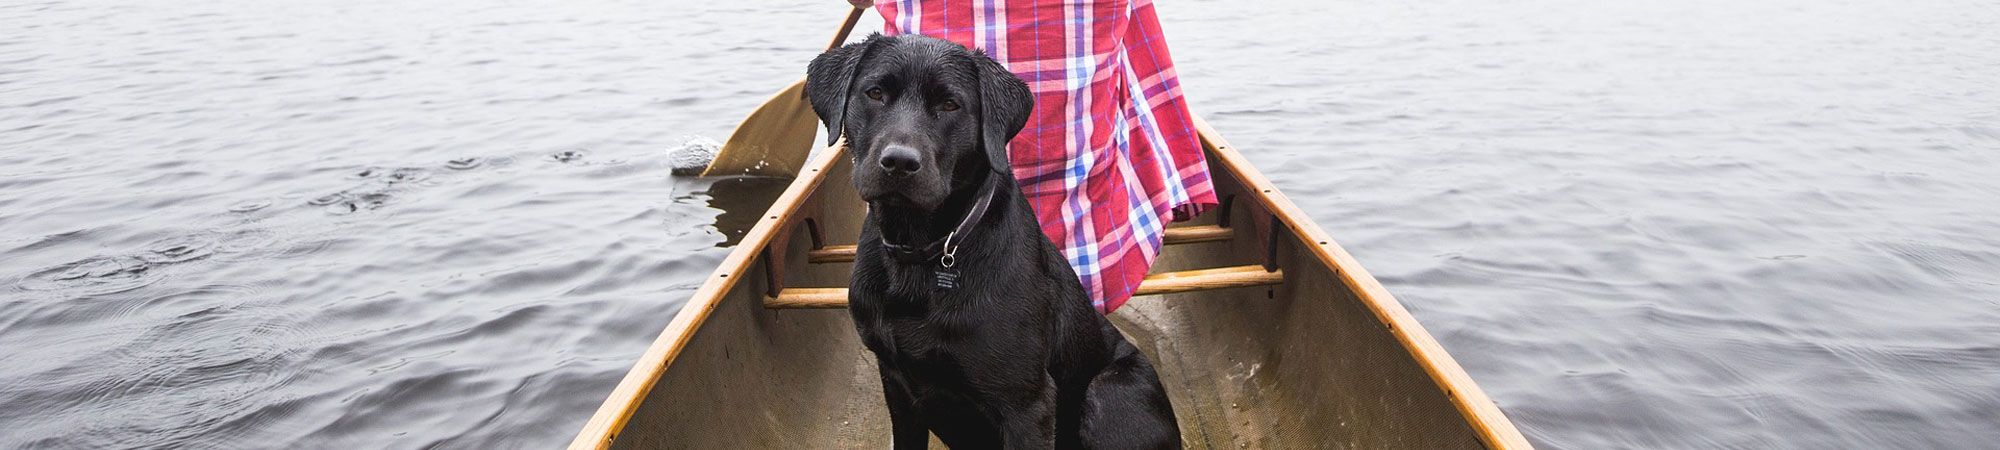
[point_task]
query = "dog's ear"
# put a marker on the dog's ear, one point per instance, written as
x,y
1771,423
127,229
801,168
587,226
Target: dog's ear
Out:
x,y
830,78
1004,104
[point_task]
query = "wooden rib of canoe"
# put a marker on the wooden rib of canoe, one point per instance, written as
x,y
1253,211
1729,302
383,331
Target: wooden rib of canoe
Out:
x,y
1266,333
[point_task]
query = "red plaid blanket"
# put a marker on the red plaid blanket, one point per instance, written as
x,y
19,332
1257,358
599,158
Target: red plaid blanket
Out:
x,y
1109,154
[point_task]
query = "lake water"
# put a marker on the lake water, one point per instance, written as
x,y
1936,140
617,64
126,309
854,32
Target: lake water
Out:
x,y
367,224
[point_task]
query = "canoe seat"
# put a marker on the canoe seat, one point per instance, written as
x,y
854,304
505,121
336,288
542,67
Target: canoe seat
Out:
x,y
1174,235
1159,283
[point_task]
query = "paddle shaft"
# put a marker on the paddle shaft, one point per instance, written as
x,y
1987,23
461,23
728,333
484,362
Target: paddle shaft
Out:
x,y
847,27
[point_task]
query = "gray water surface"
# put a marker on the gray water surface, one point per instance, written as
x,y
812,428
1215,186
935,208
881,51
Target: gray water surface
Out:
x,y
366,224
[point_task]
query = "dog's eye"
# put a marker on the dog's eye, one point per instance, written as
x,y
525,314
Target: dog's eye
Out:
x,y
874,93
947,105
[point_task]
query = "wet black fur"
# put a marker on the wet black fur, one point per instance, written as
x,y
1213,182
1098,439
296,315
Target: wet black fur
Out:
x,y
1014,356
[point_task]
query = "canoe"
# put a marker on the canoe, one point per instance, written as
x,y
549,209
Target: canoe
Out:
x,y
1266,333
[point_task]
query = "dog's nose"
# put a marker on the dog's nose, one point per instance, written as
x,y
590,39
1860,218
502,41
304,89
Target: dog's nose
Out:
x,y
899,161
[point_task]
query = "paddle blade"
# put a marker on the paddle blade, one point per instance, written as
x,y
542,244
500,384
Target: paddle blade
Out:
x,y
773,141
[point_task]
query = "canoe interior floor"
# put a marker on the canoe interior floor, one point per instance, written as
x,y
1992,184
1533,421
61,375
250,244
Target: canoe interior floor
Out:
x,y
865,424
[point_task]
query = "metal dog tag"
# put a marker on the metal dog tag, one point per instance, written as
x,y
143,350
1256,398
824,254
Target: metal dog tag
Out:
x,y
946,279
944,275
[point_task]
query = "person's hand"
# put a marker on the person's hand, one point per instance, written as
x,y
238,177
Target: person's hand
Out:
x,y
861,3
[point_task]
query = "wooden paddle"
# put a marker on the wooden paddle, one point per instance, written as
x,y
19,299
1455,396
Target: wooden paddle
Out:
x,y
776,137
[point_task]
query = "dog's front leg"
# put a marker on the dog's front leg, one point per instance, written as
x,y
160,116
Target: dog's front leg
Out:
x,y
906,431
1029,421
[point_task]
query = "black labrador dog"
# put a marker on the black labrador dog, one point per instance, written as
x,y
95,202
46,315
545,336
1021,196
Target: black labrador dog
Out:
x,y
983,334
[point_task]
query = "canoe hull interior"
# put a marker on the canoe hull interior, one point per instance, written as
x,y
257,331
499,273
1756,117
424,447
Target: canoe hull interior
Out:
x,y
1306,362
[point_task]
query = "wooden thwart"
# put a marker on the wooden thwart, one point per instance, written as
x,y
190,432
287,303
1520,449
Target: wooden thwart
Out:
x,y
1193,234
1159,283
831,254
1207,279
1175,235
809,299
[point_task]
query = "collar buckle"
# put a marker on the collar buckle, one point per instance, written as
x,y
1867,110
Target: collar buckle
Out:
x,y
950,251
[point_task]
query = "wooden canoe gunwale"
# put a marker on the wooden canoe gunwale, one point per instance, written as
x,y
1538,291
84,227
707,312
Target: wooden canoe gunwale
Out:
x,y
1491,426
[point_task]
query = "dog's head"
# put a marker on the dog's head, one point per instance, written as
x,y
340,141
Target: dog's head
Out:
x,y
921,115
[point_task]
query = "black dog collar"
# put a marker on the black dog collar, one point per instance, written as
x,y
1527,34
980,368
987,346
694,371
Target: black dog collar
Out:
x,y
946,249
